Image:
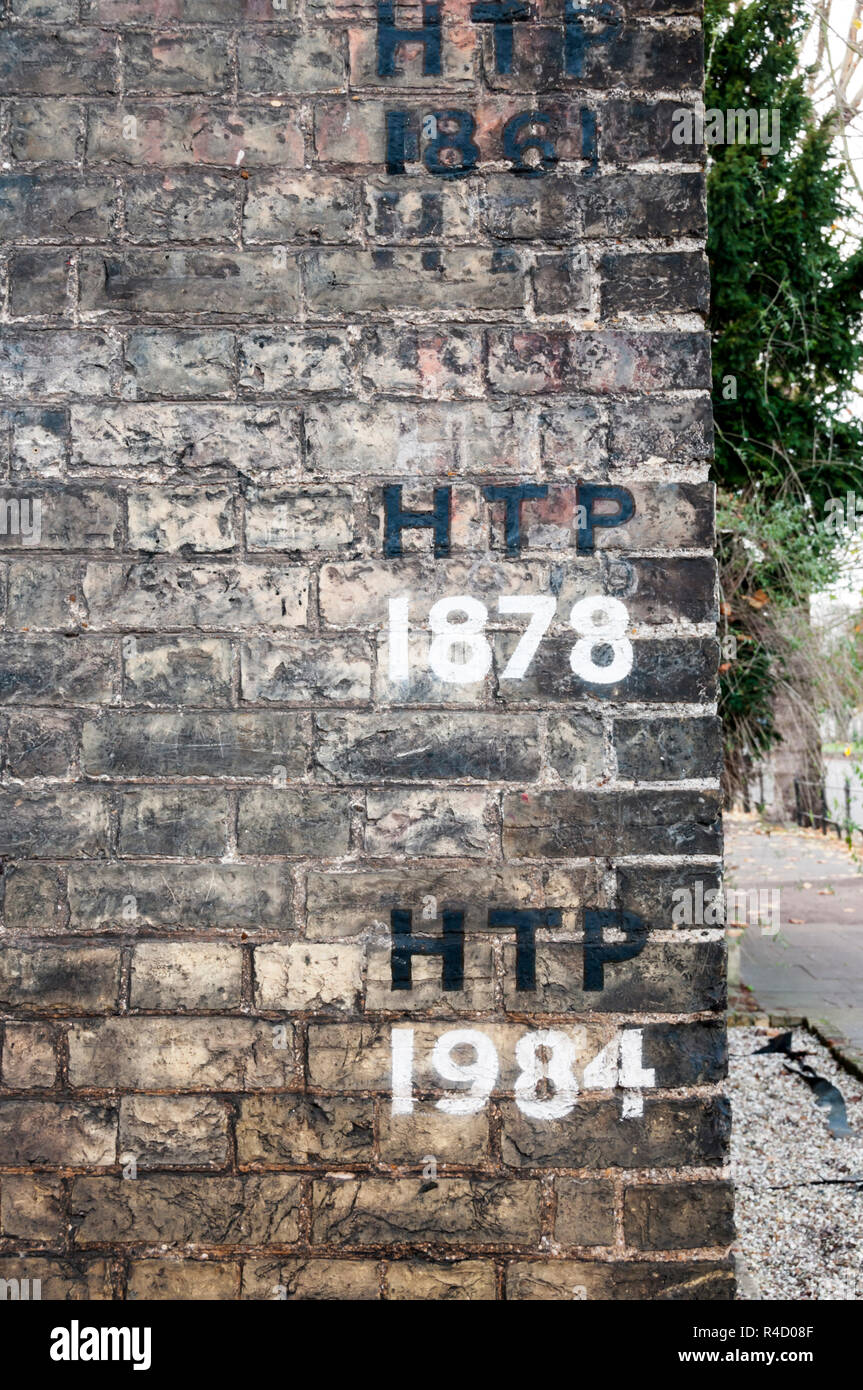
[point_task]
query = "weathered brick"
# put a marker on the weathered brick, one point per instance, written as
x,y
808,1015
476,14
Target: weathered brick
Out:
x,y
279,361
177,670
79,669
195,745
296,62
38,284
179,362
59,979
669,1134
678,1216
187,1280
404,439
32,1208
453,1211
184,519
154,595
173,63
176,134
677,282
174,1211
402,745
74,1280
307,975
46,130
273,1130
194,436
305,672
668,1282
294,822
356,281
658,750
74,62
173,1131
29,1056
180,206
281,208
57,1134
424,361
430,1281
172,823
171,976
117,896
428,822
43,824
573,823
55,362
343,1281
183,1054
214,284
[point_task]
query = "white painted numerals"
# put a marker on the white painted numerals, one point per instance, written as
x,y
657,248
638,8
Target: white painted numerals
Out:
x,y
545,1086
460,652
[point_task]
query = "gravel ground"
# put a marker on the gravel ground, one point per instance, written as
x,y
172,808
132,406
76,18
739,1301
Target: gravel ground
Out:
x,y
797,1240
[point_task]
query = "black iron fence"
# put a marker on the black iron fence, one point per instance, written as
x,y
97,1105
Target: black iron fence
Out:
x,y
810,808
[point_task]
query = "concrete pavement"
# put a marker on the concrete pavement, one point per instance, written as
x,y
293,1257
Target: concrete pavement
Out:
x,y
813,967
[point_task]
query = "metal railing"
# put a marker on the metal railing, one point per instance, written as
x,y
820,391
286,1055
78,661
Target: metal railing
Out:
x,y
810,808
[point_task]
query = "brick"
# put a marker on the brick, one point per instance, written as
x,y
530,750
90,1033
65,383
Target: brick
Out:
x,y
428,822
173,1131
666,977
670,1133
279,361
57,1134
424,361
344,1281
46,130
347,902
216,284
678,1216
678,282
55,362
172,823
31,1208
177,670
195,745
65,517
293,822
29,1057
426,991
296,62
356,281
44,744
75,1280
189,1280
409,1139
76,62
186,1210
305,672
453,1211
184,1054
423,210
399,440
650,58
308,975
170,976
194,436
585,1213
79,669
550,1281
402,745
354,595
286,1129
687,1054
60,979
188,519
153,595
428,1281
653,893
38,284
536,362
672,749
250,897
309,206
176,134
180,206
42,824
171,63
573,823
181,362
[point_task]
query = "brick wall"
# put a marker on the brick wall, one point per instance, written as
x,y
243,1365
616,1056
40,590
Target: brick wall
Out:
x,y
340,951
